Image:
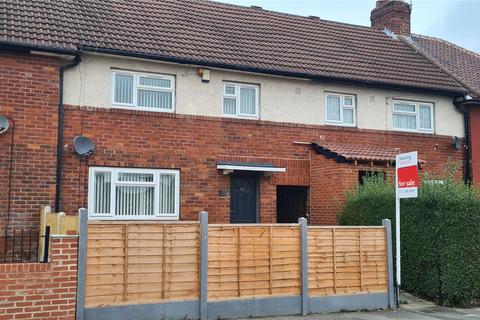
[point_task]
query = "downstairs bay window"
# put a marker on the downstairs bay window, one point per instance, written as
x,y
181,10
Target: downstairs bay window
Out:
x,y
133,194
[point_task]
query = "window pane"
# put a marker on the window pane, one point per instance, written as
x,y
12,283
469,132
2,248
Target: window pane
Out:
x,y
167,194
154,99
348,101
123,89
348,116
230,90
101,201
137,177
406,107
425,117
247,101
134,200
155,82
229,106
333,108
401,121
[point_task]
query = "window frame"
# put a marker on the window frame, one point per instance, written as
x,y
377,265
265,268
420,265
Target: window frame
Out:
x,y
417,105
236,96
343,106
137,86
114,171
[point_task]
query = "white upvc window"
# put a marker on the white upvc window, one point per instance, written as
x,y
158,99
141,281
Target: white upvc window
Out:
x,y
133,194
340,109
142,91
413,116
240,100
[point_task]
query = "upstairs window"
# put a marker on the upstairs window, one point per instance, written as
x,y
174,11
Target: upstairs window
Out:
x,y
240,100
412,116
133,194
151,92
340,109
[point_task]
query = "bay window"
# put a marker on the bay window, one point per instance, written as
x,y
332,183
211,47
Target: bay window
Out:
x,y
129,194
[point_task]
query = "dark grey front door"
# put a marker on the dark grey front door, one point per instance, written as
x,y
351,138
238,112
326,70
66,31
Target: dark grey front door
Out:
x,y
243,198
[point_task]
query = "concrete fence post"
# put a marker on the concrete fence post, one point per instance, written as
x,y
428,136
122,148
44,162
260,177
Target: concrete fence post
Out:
x,y
203,265
304,241
391,290
81,262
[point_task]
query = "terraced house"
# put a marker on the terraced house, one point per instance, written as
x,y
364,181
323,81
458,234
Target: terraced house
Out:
x,y
251,115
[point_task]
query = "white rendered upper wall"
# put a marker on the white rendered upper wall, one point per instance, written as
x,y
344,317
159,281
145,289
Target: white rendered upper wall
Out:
x,y
280,99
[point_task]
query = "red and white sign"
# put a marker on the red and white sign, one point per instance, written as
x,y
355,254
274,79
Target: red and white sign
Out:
x,y
407,175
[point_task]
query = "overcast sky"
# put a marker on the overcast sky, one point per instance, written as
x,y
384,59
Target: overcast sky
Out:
x,y
457,21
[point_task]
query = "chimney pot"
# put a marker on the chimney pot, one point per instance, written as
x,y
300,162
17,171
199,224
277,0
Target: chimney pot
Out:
x,y
393,15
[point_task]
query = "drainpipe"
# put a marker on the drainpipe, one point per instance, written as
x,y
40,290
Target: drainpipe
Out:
x,y
76,61
461,105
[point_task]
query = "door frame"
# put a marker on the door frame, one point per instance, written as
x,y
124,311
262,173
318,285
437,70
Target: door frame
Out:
x,y
257,193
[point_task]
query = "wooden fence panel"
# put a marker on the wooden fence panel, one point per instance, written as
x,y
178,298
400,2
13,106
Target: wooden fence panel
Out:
x,y
141,262
257,260
346,260
135,262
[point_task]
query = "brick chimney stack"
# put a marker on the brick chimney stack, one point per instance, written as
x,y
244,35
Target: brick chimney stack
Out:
x,y
393,15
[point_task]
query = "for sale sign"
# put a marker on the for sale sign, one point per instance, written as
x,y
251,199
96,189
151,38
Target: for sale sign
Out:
x,y
407,175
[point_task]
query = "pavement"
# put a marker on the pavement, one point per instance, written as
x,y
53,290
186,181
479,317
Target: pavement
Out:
x,y
412,308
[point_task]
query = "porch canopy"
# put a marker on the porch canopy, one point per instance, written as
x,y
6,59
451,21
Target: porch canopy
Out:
x,y
230,167
350,153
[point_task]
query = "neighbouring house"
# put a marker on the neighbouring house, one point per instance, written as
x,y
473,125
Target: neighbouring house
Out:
x,y
249,114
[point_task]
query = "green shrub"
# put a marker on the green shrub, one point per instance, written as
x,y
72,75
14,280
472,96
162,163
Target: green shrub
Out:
x,y
440,236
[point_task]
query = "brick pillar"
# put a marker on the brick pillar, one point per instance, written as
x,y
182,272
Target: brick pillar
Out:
x,y
267,201
41,291
474,123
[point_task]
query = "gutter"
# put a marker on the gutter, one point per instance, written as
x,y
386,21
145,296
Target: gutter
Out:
x,y
61,109
289,74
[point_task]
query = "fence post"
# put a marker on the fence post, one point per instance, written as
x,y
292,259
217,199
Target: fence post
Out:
x,y
203,265
304,240
81,262
391,291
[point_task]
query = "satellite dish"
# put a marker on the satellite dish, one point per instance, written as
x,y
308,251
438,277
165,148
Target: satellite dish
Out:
x,y
457,143
4,125
83,146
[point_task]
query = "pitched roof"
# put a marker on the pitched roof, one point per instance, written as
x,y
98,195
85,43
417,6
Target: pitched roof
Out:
x,y
462,63
346,152
224,35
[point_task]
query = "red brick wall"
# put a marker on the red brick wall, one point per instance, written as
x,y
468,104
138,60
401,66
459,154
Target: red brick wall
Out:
x,y
194,144
41,290
474,119
29,95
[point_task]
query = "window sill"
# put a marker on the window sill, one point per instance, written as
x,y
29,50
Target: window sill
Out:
x,y
414,131
132,218
340,124
241,117
142,109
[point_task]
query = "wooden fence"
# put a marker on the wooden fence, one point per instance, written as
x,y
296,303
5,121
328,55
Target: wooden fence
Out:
x,y
145,262
59,224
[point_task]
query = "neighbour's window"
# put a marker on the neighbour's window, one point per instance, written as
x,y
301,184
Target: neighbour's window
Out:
x,y
152,92
340,109
364,175
412,116
122,193
240,100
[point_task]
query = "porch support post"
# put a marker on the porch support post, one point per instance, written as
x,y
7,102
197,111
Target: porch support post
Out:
x,y
391,290
203,265
304,238
81,263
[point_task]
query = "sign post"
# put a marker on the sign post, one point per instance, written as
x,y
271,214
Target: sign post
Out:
x,y
406,186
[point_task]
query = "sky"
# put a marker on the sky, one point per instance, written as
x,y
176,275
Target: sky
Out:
x,y
454,20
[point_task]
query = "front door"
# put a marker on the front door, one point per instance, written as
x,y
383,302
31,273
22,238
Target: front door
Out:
x,y
243,198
